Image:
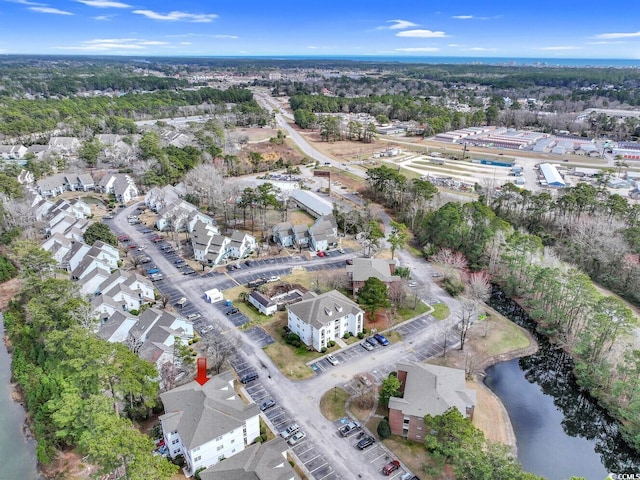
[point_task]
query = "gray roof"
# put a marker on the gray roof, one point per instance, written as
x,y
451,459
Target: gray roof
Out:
x,y
432,390
261,299
316,204
202,413
365,268
260,461
320,310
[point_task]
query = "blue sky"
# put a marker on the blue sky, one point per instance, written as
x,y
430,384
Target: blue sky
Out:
x,y
321,28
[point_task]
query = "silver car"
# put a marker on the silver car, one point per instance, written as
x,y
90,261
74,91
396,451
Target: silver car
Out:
x,y
296,438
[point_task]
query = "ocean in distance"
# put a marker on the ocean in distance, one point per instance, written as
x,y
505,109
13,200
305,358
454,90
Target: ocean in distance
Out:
x,y
505,61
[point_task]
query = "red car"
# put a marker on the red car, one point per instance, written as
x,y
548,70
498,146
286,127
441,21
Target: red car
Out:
x,y
122,238
321,254
391,467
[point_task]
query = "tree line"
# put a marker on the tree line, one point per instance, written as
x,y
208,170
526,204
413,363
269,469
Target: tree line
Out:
x,y
80,391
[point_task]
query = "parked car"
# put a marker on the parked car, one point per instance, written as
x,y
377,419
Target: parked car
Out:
x,y
296,438
372,341
207,329
290,430
135,222
188,271
349,261
273,278
249,263
436,275
146,230
332,360
152,270
349,428
122,237
155,277
194,316
256,283
178,261
230,268
412,284
321,254
107,217
391,467
267,404
381,339
365,442
232,311
237,266
367,346
248,377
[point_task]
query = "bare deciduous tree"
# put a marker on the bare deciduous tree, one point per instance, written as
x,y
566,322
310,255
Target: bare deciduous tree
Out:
x,y
466,316
86,316
219,349
397,292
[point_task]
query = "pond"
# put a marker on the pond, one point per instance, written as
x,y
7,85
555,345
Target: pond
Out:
x,y
17,453
560,430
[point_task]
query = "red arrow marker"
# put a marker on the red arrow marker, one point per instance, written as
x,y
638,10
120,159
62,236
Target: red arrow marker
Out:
x,y
201,377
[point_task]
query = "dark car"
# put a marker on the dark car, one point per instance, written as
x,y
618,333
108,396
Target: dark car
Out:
x,y
232,311
146,230
349,261
188,271
267,404
249,263
381,339
237,266
230,268
365,442
178,261
249,377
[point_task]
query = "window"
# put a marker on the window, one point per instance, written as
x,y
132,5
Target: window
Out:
x,y
175,441
220,447
219,438
197,459
233,440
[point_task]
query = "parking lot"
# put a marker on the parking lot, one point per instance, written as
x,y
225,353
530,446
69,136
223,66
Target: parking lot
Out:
x,y
407,329
279,419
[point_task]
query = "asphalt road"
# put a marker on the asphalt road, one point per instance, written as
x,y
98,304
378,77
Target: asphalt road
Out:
x,y
323,452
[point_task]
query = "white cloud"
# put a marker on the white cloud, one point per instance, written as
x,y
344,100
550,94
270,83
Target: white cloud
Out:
x,y
608,36
104,4
480,49
463,17
418,49
104,18
110,44
606,42
455,45
398,25
26,2
186,43
176,16
52,10
421,34
312,47
232,37
559,48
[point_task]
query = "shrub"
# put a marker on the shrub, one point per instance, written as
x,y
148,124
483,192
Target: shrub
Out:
x,y
323,350
347,335
361,335
331,343
133,312
384,430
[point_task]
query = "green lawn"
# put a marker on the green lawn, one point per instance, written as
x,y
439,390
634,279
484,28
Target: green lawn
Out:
x,y
440,311
332,404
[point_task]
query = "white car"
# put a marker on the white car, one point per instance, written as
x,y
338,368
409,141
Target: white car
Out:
x,y
296,438
273,278
290,430
332,360
412,283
